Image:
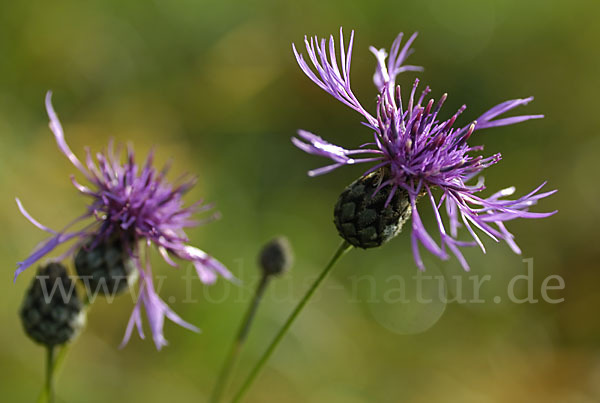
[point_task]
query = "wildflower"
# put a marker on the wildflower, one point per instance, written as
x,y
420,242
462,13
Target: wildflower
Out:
x,y
136,207
413,152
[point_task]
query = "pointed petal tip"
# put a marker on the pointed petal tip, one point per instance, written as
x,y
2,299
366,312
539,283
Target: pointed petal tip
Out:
x,y
20,269
297,142
296,53
49,108
235,280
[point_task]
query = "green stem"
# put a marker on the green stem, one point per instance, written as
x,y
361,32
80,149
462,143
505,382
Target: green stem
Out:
x,y
236,347
343,248
56,363
49,388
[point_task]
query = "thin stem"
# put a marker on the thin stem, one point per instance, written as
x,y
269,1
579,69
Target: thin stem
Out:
x,y
343,248
58,359
236,347
49,374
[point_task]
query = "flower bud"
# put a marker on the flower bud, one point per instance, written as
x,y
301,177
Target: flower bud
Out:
x,y
52,313
276,257
362,217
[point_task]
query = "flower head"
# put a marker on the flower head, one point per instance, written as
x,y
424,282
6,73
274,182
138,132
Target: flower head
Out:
x,y
419,151
140,207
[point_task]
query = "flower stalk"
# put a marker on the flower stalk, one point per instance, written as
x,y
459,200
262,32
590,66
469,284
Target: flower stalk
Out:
x,y
236,347
275,259
55,362
341,251
49,386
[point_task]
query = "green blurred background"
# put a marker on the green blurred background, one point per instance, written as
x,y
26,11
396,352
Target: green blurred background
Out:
x,y
215,86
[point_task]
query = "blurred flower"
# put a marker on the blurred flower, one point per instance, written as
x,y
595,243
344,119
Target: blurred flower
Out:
x,y
276,257
416,152
137,205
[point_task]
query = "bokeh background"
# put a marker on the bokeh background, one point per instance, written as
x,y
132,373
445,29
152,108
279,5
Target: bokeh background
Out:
x,y
214,85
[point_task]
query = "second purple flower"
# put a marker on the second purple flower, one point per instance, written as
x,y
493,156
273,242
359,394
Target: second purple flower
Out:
x,y
131,208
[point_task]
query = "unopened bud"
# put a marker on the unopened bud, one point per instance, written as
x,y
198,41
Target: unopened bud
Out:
x,y
52,313
276,257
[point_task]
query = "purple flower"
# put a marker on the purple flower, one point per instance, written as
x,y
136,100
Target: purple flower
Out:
x,y
419,150
139,205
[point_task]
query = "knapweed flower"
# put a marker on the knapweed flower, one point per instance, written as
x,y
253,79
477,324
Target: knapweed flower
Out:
x,y
136,207
413,153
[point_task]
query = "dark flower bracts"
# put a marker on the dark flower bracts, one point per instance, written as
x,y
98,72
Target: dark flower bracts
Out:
x,y
135,207
415,151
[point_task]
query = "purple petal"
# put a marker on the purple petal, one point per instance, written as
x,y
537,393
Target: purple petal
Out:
x,y
485,120
134,320
328,75
385,74
156,310
507,121
33,220
57,129
42,251
206,265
